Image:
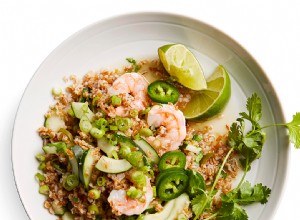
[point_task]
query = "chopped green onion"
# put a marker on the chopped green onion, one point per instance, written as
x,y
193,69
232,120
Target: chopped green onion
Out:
x,y
115,100
97,133
67,133
156,143
70,182
95,99
134,193
145,111
113,127
136,159
125,151
146,132
115,155
154,191
40,157
137,136
40,177
123,123
101,181
42,166
44,189
56,91
85,125
133,113
94,194
71,112
139,179
101,123
93,209
197,137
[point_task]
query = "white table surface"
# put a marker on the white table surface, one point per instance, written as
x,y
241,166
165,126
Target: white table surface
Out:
x,y
31,29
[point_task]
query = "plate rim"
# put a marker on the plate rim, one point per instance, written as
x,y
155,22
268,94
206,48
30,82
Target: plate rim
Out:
x,y
237,48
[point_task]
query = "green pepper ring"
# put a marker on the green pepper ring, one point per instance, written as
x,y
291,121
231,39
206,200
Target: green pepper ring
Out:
x,y
163,92
177,159
167,172
172,185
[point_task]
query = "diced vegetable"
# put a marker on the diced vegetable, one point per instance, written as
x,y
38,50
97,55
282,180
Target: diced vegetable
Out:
x,y
163,92
54,122
193,149
57,208
67,216
88,165
172,159
54,148
148,150
171,210
80,109
109,165
106,147
171,185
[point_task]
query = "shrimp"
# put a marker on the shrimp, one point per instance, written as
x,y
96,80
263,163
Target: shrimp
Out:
x,y
132,84
171,127
122,204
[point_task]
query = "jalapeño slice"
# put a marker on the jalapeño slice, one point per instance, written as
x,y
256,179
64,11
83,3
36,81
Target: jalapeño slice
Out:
x,y
172,159
172,185
163,92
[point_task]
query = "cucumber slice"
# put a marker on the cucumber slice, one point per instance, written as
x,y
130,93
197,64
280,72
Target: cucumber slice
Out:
x,y
54,122
148,150
73,161
87,167
105,146
67,216
58,209
80,109
109,165
172,209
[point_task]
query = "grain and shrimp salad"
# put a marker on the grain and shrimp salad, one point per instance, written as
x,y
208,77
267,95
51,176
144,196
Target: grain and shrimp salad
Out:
x,y
112,152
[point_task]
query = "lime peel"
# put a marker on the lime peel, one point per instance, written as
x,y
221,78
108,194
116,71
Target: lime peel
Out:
x,y
210,102
181,64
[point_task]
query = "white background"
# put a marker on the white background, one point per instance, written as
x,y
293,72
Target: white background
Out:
x,y
31,29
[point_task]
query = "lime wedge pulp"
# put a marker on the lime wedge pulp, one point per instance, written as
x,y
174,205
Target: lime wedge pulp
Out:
x,y
180,63
208,103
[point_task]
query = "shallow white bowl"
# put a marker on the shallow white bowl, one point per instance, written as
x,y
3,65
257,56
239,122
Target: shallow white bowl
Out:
x,y
106,44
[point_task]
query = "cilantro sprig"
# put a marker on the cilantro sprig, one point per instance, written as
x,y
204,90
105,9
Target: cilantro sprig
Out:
x,y
134,65
249,145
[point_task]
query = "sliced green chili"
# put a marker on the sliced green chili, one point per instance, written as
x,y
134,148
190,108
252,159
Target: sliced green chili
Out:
x,y
163,92
172,159
40,177
172,185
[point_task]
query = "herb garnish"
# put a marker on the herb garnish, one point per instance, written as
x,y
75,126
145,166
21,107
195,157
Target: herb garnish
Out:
x,y
249,145
135,66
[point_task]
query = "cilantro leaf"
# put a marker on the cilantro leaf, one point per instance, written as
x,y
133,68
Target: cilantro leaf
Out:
x,y
135,67
294,130
199,204
246,194
232,211
255,110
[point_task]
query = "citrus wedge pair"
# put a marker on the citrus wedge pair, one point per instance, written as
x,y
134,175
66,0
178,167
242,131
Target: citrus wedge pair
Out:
x,y
209,96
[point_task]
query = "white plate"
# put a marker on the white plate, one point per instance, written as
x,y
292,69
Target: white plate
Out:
x,y
106,44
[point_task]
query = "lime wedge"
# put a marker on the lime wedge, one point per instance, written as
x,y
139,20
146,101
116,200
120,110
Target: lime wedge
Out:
x,y
208,103
180,63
